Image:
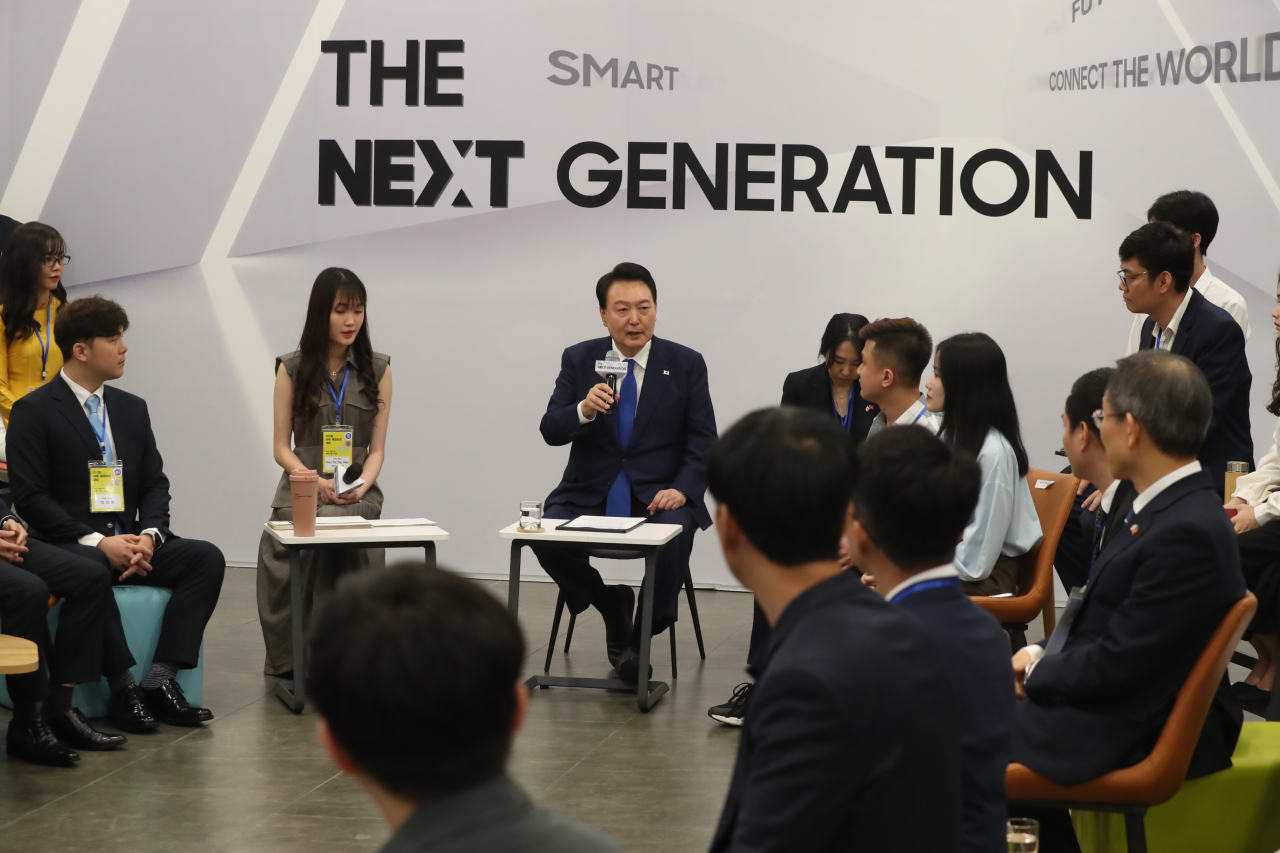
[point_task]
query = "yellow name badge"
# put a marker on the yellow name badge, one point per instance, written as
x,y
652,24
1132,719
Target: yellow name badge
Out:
x,y
106,487
336,447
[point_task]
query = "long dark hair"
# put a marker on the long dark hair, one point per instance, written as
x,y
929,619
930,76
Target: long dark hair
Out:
x,y
841,328
977,396
332,285
20,272
1274,406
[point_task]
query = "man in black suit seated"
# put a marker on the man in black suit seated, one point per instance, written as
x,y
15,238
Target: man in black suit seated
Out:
x,y
906,475
1100,689
1157,263
646,459
60,436
415,672
853,740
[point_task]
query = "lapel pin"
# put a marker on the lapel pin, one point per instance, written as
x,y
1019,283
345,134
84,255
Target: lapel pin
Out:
x,y
1133,531
872,406
666,373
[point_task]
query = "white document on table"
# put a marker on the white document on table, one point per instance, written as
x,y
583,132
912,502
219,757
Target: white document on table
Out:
x,y
402,522
601,524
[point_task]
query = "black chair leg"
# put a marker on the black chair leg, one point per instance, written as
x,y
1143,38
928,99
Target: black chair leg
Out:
x,y
672,629
693,611
1017,635
1135,833
568,635
555,629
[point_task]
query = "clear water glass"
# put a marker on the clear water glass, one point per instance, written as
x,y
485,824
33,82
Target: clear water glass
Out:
x,y
1023,835
530,515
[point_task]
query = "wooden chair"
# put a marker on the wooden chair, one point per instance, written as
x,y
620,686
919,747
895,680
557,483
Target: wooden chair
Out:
x,y
1035,573
1154,780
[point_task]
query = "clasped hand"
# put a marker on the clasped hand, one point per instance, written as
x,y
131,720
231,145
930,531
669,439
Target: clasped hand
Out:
x,y
599,399
329,494
1246,517
13,542
129,554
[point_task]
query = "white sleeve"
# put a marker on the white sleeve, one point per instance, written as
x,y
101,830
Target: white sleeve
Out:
x,y
984,536
1135,334
91,539
1239,312
583,419
1252,488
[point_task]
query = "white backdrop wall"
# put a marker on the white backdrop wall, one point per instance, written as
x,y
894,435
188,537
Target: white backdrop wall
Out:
x,y
176,147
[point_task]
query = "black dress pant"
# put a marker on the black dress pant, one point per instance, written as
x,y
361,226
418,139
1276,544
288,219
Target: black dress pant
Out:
x,y
84,586
581,583
1260,560
1071,560
192,570
760,632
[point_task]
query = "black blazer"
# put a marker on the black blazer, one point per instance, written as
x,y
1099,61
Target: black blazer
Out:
x,y
811,389
853,741
674,429
975,652
7,227
1212,339
1121,503
1158,592
50,446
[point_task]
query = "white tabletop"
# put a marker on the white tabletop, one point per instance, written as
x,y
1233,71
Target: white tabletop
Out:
x,y
646,534
368,536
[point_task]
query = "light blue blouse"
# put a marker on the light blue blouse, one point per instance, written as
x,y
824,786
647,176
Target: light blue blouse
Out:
x,y
1005,520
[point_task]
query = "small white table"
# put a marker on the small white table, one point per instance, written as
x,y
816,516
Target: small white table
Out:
x,y
294,693
647,540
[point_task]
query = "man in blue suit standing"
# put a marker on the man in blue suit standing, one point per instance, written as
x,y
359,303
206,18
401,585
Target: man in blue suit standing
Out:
x,y
638,452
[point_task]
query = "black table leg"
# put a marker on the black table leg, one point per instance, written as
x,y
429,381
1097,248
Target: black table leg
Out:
x,y
430,549
294,693
513,583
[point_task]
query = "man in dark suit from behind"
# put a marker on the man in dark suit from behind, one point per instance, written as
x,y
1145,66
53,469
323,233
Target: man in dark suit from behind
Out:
x,y
906,475
1098,692
853,740
56,433
1157,263
7,227
415,672
639,452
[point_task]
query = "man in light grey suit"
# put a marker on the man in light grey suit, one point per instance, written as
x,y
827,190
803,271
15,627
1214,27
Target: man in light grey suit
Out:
x,y
415,672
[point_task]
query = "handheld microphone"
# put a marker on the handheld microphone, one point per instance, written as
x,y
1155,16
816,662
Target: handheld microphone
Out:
x,y
353,473
612,378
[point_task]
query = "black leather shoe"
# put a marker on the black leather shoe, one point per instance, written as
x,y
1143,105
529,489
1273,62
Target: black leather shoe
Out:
x,y
629,667
33,741
617,621
128,713
169,705
74,730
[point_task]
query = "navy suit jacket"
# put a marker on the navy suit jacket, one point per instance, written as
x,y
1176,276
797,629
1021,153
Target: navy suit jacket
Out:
x,y
811,389
674,429
975,652
852,741
1159,590
7,227
1212,339
50,446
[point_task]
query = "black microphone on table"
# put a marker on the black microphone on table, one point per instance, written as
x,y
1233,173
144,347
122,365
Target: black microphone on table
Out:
x,y
353,473
612,379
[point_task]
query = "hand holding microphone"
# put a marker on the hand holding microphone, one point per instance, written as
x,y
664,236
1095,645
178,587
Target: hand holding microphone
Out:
x,y
602,396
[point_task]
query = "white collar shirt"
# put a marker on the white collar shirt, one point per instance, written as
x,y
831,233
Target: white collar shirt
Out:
x,y
1211,288
1147,496
916,413
1109,497
947,571
641,360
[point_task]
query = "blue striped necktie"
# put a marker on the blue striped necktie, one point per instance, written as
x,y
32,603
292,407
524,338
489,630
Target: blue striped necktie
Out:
x,y
99,428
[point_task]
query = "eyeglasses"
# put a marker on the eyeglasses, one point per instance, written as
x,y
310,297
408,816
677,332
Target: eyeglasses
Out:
x,y
1127,280
56,260
1099,416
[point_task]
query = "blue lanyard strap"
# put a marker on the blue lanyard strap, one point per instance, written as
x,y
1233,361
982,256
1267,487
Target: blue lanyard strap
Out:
x,y
100,417
339,397
919,415
47,339
924,585
847,420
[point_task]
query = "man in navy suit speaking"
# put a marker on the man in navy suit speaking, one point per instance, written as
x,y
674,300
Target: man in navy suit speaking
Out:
x,y
640,452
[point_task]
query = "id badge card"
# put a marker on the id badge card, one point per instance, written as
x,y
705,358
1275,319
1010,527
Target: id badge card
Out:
x,y
336,447
106,487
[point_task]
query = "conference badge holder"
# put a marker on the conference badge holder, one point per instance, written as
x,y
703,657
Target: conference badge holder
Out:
x,y
336,445
106,487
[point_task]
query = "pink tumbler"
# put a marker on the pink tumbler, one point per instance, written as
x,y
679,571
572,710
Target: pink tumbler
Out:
x,y
304,485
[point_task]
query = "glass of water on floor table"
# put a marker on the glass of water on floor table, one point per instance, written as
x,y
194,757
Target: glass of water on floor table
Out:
x,y
1023,835
530,515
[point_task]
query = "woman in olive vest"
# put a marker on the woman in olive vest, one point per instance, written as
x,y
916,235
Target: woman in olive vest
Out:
x,y
333,378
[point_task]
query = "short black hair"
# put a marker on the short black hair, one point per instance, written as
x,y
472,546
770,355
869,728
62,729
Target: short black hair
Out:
x,y
1086,398
1188,211
1168,395
415,668
624,271
1160,247
841,328
82,320
787,476
902,344
915,495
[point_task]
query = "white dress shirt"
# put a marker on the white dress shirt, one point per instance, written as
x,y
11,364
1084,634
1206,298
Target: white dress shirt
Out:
x,y
1261,489
1212,289
1005,520
1109,497
1163,337
916,413
82,396
1147,496
947,571
641,359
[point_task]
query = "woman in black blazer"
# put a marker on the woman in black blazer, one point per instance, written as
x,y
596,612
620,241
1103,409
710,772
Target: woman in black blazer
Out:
x,y
832,386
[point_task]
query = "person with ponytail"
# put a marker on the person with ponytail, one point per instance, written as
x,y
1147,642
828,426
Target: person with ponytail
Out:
x,y
31,293
970,387
334,377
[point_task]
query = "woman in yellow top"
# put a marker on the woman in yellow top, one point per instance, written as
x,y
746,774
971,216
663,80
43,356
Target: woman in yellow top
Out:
x,y
31,292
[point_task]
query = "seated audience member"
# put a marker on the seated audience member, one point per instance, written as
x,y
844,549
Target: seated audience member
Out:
x,y
415,673
1256,502
1082,441
56,433
31,293
905,475
830,387
1099,691
1194,214
970,387
895,353
7,227
1156,265
820,767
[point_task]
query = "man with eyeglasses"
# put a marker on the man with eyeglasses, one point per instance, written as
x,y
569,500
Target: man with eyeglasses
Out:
x,y
1157,263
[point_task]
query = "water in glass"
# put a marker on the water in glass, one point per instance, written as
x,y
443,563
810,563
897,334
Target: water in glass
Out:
x,y
530,515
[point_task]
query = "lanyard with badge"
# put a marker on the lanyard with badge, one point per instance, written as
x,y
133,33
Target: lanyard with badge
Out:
x,y
336,441
45,342
106,476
